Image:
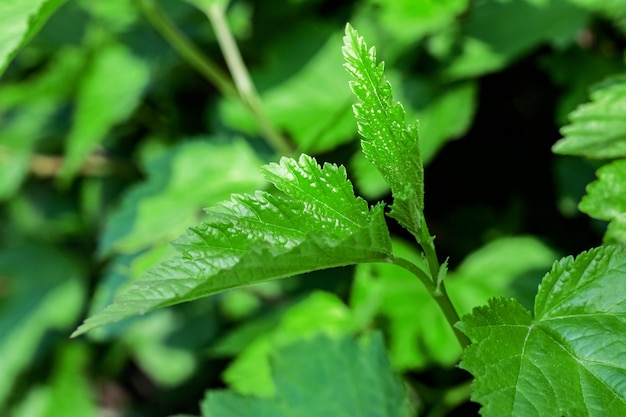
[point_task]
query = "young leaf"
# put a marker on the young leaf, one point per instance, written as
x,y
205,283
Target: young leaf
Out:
x,y
570,359
388,141
606,200
598,128
319,224
322,377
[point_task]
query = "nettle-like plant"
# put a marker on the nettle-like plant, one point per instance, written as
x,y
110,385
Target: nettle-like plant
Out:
x,y
566,358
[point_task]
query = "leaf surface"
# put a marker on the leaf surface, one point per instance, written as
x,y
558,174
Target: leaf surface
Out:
x,y
598,129
317,224
20,20
606,200
388,141
570,359
322,377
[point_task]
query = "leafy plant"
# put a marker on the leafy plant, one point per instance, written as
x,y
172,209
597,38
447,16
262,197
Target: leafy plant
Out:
x,y
522,365
99,171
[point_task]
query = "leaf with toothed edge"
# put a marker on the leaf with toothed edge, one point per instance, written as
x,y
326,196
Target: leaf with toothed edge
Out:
x,y
318,223
570,359
388,141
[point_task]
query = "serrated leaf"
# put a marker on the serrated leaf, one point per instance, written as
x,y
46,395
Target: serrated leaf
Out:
x,y
606,200
567,361
322,377
102,103
20,20
319,224
388,141
598,128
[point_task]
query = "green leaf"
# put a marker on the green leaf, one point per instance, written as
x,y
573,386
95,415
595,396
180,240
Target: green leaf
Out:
x,y
20,20
598,128
322,377
250,372
492,39
31,294
319,224
388,142
159,209
313,104
570,359
606,200
104,100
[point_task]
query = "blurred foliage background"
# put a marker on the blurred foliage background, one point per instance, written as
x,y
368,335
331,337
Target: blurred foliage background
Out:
x,y
119,122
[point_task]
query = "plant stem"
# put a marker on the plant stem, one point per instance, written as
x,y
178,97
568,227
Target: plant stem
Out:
x,y
439,294
445,304
243,82
187,50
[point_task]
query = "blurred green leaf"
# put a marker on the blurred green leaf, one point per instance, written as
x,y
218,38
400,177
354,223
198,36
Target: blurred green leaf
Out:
x,y
496,32
606,200
598,129
417,329
569,359
319,224
68,393
312,106
27,109
250,372
308,384
159,209
36,280
20,20
110,90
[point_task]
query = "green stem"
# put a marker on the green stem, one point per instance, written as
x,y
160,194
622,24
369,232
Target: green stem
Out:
x,y
415,270
243,82
445,304
186,49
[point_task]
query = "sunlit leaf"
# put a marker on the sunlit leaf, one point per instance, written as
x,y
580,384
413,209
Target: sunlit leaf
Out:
x,y
388,141
319,224
598,129
308,384
20,20
569,360
606,200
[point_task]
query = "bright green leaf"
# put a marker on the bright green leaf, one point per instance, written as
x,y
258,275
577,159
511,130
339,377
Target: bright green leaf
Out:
x,y
598,128
606,200
388,141
250,372
252,238
160,208
322,377
20,20
570,359
108,94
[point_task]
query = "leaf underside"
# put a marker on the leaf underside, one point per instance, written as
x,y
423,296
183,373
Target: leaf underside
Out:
x,y
388,141
570,360
318,223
